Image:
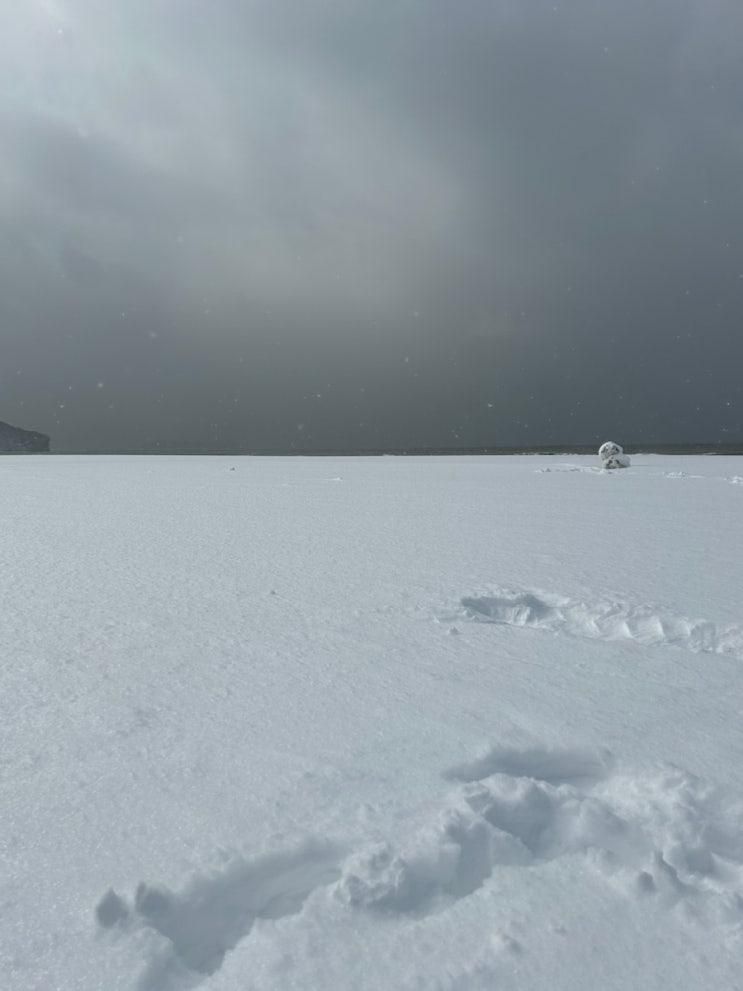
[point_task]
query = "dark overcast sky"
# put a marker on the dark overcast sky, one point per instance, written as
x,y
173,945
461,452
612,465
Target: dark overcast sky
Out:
x,y
371,223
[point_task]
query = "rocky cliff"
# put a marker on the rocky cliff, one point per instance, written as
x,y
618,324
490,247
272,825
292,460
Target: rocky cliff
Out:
x,y
13,440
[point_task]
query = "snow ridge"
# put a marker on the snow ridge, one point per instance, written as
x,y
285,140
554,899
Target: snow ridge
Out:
x,y
603,619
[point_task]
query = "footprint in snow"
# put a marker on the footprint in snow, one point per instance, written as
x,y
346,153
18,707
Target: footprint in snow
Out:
x,y
657,833
212,914
661,832
602,620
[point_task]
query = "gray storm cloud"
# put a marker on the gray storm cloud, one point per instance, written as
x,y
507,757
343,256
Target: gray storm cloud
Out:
x,y
346,224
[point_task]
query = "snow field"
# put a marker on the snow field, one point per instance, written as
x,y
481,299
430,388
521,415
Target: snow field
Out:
x,y
240,749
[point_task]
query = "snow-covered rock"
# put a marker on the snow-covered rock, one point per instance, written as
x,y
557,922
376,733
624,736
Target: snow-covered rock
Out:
x,y
15,440
610,449
617,461
612,455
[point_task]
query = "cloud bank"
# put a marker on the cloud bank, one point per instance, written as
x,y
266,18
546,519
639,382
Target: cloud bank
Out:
x,y
332,223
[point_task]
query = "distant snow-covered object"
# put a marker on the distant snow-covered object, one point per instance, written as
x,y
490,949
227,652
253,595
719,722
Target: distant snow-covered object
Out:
x,y
610,449
612,455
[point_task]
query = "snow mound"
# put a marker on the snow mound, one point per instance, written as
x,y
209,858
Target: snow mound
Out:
x,y
610,449
603,620
612,455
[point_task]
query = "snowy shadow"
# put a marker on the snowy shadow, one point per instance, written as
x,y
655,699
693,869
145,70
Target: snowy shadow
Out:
x,y
542,764
214,913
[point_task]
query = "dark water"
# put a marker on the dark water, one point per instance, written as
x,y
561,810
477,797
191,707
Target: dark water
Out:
x,y
566,449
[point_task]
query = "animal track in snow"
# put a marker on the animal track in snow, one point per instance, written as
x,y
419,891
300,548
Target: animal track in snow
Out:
x,y
602,620
651,833
659,832
214,913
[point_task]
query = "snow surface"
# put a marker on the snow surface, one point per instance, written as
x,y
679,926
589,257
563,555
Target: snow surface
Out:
x,y
386,723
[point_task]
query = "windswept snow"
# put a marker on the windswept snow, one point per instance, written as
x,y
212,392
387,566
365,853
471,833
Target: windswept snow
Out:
x,y
239,748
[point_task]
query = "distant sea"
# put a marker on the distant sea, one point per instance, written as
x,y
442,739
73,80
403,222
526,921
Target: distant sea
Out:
x,y
558,449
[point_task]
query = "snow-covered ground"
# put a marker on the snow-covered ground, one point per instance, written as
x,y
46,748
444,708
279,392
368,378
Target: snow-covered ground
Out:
x,y
386,723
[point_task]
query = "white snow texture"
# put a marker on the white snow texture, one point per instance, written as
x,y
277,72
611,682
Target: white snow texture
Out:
x,y
241,750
